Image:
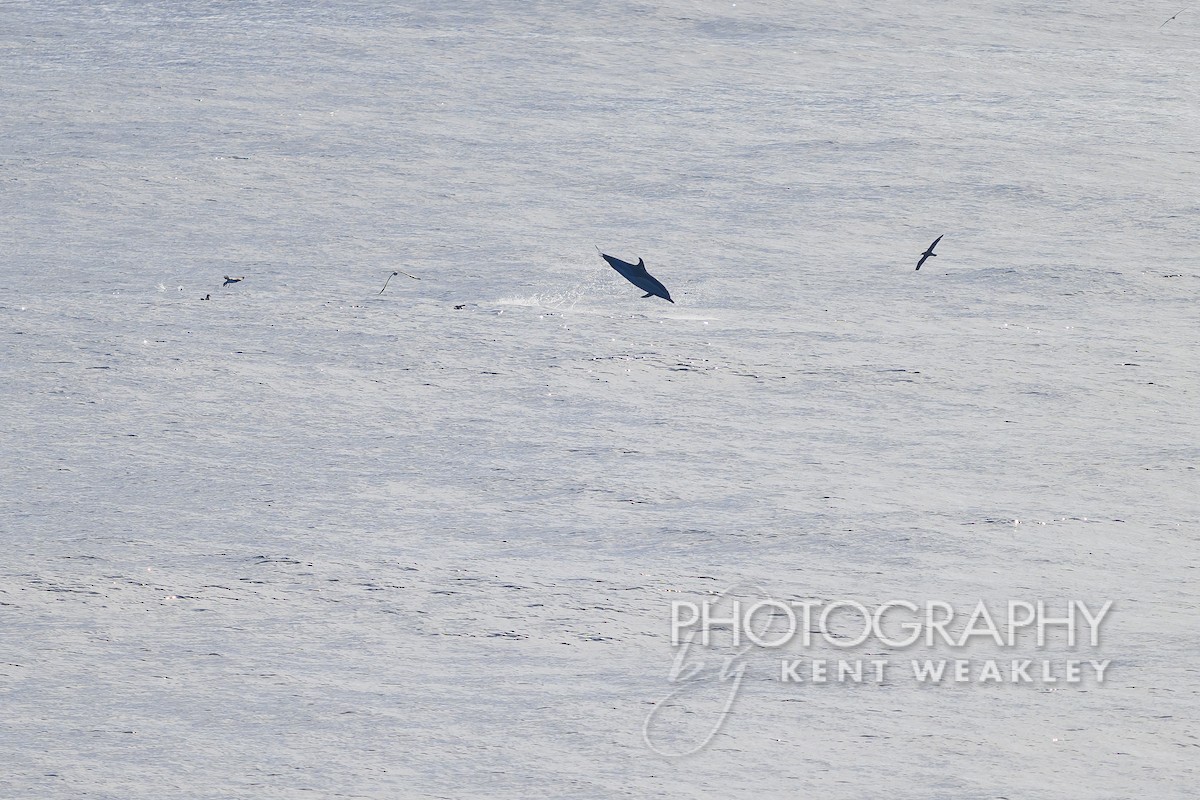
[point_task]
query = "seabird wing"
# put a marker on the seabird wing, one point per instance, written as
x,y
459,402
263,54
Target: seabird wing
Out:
x,y
1177,13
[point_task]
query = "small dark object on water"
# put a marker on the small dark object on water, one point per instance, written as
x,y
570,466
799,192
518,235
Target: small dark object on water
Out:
x,y
207,297
229,280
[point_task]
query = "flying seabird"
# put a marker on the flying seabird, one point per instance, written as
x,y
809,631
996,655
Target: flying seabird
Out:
x,y
929,252
394,274
1177,13
229,280
639,277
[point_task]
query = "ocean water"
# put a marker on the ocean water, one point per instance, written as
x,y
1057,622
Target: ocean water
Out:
x,y
306,539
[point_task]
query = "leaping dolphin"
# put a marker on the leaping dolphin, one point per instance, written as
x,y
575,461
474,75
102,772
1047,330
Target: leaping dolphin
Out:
x,y
929,252
639,277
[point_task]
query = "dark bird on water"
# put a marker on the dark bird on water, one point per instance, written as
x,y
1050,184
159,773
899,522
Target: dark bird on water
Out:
x,y
1177,13
929,253
394,274
207,297
639,277
229,280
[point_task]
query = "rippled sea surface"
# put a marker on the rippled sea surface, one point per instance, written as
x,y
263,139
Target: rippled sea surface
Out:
x,y
304,539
